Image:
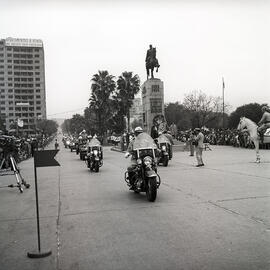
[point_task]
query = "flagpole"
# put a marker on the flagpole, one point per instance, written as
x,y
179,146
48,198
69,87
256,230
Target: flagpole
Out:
x,y
223,87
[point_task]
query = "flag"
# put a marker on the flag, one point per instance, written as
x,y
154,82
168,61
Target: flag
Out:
x,y
45,158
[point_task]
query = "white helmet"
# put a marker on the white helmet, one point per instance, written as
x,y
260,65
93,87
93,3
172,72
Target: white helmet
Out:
x,y
138,130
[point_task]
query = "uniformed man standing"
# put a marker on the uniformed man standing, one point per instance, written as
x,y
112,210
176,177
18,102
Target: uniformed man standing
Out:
x,y
198,142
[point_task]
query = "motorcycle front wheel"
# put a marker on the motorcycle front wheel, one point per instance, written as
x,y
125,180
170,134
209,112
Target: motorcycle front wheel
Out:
x,y
165,161
96,167
151,190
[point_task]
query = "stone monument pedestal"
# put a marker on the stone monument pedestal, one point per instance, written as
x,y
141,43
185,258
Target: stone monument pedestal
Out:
x,y
152,102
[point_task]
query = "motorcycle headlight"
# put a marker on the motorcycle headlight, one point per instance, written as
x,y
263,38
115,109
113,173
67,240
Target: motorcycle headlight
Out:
x,y
147,161
163,148
68,142
95,152
139,161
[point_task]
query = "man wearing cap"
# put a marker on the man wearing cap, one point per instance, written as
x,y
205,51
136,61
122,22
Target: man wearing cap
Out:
x,y
198,142
129,152
264,123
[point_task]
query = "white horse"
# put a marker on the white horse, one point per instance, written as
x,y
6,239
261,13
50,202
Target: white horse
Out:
x,y
248,125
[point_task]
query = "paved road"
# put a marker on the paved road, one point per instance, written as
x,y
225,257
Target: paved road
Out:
x,y
215,217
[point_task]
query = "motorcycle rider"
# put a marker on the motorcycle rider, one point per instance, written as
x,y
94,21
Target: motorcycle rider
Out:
x,y
130,152
170,138
264,123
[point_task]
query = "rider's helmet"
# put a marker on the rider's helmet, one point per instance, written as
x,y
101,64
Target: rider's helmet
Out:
x,y
138,130
264,108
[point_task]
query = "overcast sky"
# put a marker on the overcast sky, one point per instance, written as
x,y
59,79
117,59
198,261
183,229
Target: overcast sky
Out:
x,y
198,43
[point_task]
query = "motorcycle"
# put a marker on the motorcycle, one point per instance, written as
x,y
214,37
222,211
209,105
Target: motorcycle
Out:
x,y
94,157
164,147
144,177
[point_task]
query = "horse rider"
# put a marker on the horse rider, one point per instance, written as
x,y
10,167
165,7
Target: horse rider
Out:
x,y
130,152
151,55
264,123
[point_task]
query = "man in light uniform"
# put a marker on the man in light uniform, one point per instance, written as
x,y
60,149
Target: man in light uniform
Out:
x,y
264,123
133,162
198,142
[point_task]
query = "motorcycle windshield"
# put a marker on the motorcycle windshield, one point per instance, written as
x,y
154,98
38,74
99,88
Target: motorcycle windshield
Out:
x,y
163,139
143,141
94,142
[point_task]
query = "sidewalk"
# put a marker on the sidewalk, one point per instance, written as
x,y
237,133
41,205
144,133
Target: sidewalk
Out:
x,y
18,228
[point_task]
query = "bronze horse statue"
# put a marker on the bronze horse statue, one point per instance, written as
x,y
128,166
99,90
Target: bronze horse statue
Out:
x,y
151,62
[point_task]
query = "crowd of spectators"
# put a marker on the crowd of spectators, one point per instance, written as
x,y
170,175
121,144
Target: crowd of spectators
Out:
x,y
21,147
230,137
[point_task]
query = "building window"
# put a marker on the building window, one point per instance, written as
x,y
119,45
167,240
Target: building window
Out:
x,y
10,90
37,73
10,84
10,96
37,61
37,79
37,84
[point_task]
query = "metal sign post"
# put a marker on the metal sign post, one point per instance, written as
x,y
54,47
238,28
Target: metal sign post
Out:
x,y
42,159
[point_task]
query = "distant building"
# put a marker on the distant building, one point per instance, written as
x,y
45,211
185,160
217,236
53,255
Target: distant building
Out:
x,y
22,83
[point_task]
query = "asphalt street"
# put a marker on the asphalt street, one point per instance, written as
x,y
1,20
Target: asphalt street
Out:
x,y
214,217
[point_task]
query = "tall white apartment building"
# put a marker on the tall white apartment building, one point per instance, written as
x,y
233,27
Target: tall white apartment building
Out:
x,y
22,83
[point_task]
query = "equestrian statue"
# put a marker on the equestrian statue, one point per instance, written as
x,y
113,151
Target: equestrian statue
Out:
x,y
151,61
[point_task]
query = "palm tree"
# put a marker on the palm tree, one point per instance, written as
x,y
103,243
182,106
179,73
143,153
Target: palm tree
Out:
x,y
102,88
127,87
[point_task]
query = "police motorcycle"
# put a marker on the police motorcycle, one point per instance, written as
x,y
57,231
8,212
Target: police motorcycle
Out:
x,y
144,177
94,156
82,147
164,147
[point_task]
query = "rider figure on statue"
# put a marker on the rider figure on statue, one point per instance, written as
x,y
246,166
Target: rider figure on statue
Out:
x,y
151,60
264,123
